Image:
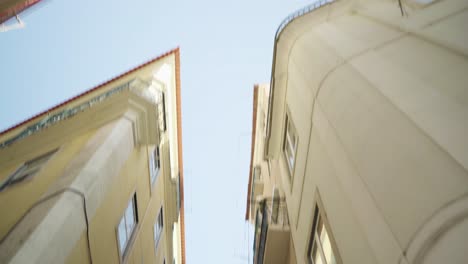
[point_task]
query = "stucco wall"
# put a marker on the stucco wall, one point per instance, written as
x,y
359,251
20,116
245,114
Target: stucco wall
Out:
x,y
379,103
79,254
134,177
13,201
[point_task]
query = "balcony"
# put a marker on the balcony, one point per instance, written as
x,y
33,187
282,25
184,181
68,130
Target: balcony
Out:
x,y
257,187
272,234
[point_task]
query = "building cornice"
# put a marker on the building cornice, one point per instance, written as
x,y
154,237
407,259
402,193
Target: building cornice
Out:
x,y
81,95
180,158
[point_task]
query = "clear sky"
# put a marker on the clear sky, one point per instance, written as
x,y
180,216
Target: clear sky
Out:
x,y
69,46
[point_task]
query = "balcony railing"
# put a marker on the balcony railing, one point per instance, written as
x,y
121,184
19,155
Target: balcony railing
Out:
x,y
272,212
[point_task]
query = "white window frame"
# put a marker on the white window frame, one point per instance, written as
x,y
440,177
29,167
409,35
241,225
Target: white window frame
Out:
x,y
158,228
321,238
126,227
290,143
155,164
27,170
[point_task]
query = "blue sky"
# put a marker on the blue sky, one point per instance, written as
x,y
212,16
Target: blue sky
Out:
x,y
69,46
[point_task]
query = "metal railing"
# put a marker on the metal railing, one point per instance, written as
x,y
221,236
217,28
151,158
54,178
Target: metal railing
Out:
x,y
298,13
261,229
51,119
269,212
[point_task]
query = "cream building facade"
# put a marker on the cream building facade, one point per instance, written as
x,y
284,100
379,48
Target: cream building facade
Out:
x,y
98,178
359,147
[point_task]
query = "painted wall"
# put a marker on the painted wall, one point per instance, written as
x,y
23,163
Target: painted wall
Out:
x,y
103,157
134,177
273,251
80,254
379,102
17,199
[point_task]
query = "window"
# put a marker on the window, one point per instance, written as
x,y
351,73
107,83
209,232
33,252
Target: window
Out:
x,y
424,2
127,225
257,173
27,170
162,111
322,249
158,227
155,164
290,144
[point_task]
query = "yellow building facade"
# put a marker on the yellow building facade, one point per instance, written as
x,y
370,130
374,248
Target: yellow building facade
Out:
x,y
359,147
98,178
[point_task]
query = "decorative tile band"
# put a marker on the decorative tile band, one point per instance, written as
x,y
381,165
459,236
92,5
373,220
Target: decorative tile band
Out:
x,y
50,120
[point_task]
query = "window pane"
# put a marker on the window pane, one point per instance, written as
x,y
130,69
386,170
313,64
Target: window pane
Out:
x,y
19,173
161,217
290,143
323,232
152,174
130,218
24,175
322,250
316,255
289,154
156,232
151,163
292,136
290,131
318,259
293,143
122,235
326,246
39,160
31,167
291,161
314,250
154,164
332,259
158,227
319,230
156,160
285,134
